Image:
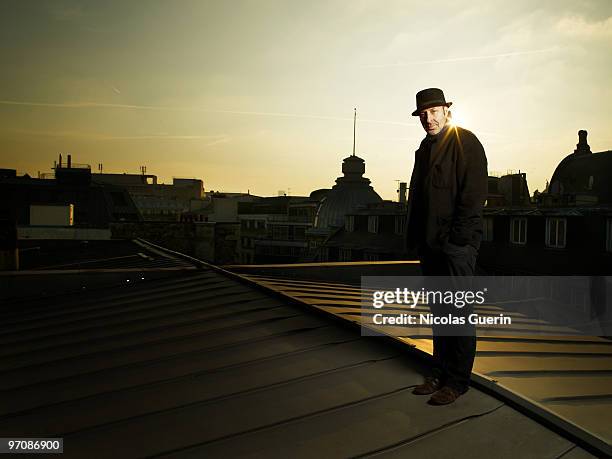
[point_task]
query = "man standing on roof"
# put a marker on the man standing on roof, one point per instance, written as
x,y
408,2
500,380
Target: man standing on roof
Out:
x,y
448,188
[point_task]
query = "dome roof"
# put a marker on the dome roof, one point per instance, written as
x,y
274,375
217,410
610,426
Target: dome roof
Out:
x,y
319,194
350,191
584,172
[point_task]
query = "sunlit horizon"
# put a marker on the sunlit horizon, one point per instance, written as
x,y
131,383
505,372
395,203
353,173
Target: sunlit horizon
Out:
x,y
259,96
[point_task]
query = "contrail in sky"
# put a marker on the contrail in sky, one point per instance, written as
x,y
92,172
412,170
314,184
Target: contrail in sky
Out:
x,y
81,105
213,139
461,59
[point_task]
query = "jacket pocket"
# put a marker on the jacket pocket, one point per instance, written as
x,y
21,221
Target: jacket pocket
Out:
x,y
454,250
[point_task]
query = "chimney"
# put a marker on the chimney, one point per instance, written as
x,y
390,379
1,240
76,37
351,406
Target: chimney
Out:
x,y
402,192
582,147
69,161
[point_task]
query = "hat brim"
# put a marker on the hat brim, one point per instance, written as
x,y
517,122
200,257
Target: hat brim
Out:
x,y
429,105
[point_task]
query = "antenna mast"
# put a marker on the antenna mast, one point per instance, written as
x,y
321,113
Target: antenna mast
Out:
x,y
354,127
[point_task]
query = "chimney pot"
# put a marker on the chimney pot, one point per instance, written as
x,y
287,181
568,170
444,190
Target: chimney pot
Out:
x,y
582,147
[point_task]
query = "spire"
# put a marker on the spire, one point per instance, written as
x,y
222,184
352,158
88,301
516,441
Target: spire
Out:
x,y
354,127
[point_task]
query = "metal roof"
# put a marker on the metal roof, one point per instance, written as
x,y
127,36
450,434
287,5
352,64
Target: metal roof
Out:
x,y
568,211
94,254
211,364
564,378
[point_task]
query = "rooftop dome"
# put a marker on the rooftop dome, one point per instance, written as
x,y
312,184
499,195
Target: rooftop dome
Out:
x,y
584,172
350,191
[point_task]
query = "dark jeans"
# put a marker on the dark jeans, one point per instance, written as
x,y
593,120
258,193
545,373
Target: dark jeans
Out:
x,y
453,355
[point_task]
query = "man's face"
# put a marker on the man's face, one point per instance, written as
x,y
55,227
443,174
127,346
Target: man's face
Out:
x,y
433,119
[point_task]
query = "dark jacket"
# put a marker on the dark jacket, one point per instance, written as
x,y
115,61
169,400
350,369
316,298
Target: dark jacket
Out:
x,y
451,195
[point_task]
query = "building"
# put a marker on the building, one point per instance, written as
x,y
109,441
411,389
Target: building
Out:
x,y
155,201
372,232
273,229
94,205
288,229
567,230
581,178
350,191
218,207
508,190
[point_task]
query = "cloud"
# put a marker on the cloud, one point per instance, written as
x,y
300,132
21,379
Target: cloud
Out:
x,y
81,105
212,139
221,139
464,58
579,27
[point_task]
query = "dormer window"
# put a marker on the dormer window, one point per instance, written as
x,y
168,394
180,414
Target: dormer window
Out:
x,y
373,224
555,232
400,223
349,223
518,230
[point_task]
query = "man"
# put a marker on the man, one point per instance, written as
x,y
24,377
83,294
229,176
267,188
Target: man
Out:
x,y
444,224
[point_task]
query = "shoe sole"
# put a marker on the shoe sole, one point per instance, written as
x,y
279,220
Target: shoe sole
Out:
x,y
425,393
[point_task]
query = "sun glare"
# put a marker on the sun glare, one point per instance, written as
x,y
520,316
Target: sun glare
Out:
x,y
458,118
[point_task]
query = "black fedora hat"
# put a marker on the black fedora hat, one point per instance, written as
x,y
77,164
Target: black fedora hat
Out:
x,y
430,97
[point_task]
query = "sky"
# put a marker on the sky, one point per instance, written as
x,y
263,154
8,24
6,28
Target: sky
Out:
x,y
259,95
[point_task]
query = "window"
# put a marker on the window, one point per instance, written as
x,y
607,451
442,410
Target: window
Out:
x,y
349,223
369,256
555,232
487,229
345,254
609,234
518,230
400,223
299,233
280,233
373,224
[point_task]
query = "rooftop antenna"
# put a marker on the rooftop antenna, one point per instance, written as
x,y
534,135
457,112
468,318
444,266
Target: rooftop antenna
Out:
x,y
354,128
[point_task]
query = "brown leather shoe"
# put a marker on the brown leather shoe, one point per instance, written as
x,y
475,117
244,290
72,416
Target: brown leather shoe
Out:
x,y
445,396
430,385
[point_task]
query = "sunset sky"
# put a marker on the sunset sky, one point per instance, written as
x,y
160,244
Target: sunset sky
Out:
x,y
259,94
